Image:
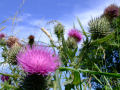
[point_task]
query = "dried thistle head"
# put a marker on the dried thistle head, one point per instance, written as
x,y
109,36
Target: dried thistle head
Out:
x,y
31,40
111,11
11,41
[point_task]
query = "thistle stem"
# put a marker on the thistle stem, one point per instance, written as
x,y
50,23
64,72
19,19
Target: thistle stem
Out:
x,y
14,76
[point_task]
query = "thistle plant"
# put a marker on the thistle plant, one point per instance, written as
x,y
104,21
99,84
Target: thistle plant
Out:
x,y
74,37
63,65
38,62
75,34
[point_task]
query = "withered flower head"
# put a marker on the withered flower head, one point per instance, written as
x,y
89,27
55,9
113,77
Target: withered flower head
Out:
x,y
31,40
11,41
31,37
111,11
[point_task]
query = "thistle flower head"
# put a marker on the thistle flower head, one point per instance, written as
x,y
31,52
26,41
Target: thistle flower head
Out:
x,y
2,35
75,34
38,60
4,78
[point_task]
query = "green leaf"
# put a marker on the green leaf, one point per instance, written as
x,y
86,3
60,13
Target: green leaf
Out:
x,y
97,79
82,28
68,82
57,80
72,53
107,82
76,79
102,40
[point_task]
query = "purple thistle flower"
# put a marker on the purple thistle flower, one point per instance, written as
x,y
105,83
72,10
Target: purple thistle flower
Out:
x,y
75,34
4,78
38,60
2,35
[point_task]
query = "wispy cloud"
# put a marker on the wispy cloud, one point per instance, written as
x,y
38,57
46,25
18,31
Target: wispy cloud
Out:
x,y
86,16
32,25
23,17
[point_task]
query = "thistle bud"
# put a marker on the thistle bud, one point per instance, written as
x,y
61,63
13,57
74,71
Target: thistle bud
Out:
x,y
2,39
12,52
99,27
59,30
2,35
71,43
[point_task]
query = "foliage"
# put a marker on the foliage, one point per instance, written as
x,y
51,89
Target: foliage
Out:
x,y
95,65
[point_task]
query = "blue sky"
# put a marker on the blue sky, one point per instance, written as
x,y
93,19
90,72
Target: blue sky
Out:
x,y
34,14
53,9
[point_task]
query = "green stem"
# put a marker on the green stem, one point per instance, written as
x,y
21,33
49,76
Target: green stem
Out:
x,y
117,75
80,84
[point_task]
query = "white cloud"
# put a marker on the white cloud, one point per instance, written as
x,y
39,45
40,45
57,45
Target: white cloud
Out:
x,y
86,16
23,17
24,31
38,22
33,25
